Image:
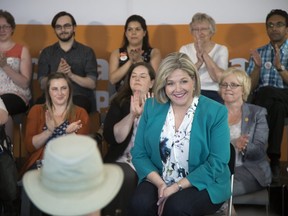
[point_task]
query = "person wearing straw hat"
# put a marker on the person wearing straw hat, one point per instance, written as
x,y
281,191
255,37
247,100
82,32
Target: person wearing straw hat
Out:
x,y
73,179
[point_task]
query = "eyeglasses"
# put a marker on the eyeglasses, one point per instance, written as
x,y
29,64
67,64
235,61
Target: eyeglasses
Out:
x,y
231,85
277,25
5,27
200,29
66,26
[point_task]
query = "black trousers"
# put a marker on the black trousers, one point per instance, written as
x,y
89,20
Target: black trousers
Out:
x,y
189,201
123,198
275,100
14,104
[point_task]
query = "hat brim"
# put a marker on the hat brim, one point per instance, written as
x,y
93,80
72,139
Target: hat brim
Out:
x,y
73,203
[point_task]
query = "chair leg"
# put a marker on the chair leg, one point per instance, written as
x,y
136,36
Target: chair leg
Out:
x,y
20,140
286,124
268,204
231,197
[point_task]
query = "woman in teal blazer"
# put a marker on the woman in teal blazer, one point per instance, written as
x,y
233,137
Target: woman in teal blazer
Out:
x,y
182,146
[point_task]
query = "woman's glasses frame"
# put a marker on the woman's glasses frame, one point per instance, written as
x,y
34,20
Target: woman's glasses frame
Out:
x,y
231,85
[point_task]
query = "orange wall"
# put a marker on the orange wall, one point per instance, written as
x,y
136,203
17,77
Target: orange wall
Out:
x,y
239,38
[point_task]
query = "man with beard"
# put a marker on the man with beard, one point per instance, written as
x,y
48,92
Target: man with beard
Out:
x,y
268,71
74,59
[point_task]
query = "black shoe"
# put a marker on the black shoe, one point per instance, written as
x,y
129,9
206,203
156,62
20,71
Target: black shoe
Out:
x,y
275,168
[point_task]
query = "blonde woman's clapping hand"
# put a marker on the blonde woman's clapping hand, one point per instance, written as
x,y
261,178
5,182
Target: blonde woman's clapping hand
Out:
x,y
74,127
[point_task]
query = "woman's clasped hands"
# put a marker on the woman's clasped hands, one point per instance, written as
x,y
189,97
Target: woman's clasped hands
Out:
x,y
71,128
242,142
136,55
164,192
74,127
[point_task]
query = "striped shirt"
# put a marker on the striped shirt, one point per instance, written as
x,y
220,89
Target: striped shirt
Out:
x,y
269,76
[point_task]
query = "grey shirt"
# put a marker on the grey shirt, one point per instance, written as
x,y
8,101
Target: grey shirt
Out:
x,y
82,60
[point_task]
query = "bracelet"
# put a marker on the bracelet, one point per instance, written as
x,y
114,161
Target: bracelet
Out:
x,y
180,188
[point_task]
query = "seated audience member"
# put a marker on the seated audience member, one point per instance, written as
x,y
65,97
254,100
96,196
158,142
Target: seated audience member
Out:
x,y
15,71
248,133
3,113
72,58
73,180
268,69
57,117
135,48
120,127
209,57
182,146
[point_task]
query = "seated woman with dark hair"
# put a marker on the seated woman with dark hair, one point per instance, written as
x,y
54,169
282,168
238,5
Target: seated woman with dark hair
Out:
x,y
121,125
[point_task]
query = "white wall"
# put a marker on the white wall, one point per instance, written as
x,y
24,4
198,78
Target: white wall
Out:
x,y
115,12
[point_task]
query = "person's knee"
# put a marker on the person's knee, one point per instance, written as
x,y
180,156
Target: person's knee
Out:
x,y
140,205
173,207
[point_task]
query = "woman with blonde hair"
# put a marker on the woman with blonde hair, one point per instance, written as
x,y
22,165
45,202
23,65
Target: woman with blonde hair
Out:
x,y
248,133
57,117
210,58
182,147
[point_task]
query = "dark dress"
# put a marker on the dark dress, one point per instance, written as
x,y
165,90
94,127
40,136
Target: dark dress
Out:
x,y
124,57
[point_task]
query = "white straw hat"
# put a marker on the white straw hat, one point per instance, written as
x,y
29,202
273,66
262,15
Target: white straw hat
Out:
x,y
73,179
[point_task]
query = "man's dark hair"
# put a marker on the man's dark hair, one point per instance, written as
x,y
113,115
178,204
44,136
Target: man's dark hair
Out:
x,y
60,14
278,12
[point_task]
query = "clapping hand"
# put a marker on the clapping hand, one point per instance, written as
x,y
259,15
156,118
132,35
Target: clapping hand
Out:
x,y
199,52
277,59
242,142
74,127
64,67
137,102
3,59
136,55
50,123
256,58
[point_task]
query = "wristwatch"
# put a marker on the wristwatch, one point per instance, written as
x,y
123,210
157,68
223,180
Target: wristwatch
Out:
x,y
180,188
282,68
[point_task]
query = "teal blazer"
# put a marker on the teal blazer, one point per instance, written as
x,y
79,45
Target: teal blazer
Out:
x,y
209,150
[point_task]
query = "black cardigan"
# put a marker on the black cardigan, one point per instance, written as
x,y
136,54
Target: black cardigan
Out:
x,y
115,114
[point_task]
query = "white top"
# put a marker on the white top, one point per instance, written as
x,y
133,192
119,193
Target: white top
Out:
x,y
2,105
235,133
219,54
8,86
126,157
175,145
